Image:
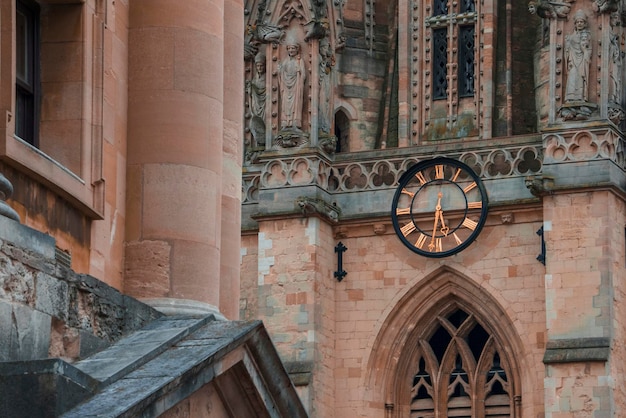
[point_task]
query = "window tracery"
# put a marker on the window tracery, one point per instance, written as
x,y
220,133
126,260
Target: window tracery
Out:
x,y
450,72
460,372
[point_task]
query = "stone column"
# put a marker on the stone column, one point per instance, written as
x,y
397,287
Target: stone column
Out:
x,y
233,156
175,149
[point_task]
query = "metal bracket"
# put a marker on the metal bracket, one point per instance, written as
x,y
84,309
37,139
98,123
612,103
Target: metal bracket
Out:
x,y
542,257
340,273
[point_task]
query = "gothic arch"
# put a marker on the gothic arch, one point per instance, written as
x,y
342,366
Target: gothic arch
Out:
x,y
344,115
395,356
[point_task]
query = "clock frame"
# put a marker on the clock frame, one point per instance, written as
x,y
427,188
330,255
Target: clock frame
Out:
x,y
439,208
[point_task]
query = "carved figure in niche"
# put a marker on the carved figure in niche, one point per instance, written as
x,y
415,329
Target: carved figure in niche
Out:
x,y
550,9
257,91
292,75
578,58
327,61
616,59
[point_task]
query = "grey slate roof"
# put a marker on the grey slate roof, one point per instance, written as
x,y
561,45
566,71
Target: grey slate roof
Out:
x,y
151,370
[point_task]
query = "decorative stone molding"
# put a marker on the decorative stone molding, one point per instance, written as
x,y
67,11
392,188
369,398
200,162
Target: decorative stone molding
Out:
x,y
6,191
584,145
310,206
377,173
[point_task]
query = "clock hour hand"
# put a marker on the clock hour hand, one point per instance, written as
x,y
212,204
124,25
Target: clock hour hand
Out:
x,y
444,228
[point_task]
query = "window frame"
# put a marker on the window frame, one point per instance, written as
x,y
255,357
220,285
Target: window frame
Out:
x,y
83,186
28,88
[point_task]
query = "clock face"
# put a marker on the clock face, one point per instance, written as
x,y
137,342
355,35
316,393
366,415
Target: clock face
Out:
x,y
439,207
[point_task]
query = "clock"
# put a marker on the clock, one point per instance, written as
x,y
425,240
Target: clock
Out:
x,y
439,207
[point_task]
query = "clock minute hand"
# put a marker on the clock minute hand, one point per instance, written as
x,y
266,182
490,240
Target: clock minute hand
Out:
x,y
431,246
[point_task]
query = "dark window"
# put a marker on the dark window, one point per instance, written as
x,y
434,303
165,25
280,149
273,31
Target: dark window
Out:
x,y
440,63
454,27
467,6
466,61
441,7
27,71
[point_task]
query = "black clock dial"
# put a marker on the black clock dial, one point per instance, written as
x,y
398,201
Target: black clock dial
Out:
x,y
439,208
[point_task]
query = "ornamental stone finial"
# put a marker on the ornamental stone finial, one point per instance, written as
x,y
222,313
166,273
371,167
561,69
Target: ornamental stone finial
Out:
x,y
6,191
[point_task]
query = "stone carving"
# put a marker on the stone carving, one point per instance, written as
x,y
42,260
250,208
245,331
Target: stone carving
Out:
x,y
578,59
586,145
616,59
374,174
602,6
327,61
578,56
539,185
257,93
260,32
292,75
263,33
550,9
319,23
311,206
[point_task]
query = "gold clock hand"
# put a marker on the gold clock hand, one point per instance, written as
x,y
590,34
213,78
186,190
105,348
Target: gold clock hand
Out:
x,y
431,246
444,229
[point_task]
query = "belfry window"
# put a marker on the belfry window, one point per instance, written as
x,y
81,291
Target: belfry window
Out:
x,y
459,372
453,44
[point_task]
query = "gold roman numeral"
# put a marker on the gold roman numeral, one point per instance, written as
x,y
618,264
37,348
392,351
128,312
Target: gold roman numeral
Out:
x,y
408,228
457,239
468,223
438,245
475,205
403,211
420,241
456,174
421,178
410,194
469,187
439,171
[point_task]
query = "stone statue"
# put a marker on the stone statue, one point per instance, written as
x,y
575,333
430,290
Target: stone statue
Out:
x,y
615,63
578,58
257,91
292,75
616,58
327,61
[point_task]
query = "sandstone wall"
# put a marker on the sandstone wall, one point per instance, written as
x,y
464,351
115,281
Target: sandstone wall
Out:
x,y
50,311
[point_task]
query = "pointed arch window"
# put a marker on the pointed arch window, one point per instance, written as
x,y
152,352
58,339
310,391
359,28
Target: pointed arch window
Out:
x,y
453,45
460,372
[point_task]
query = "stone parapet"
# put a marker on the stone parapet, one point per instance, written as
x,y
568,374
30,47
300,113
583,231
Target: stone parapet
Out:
x,y
349,181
